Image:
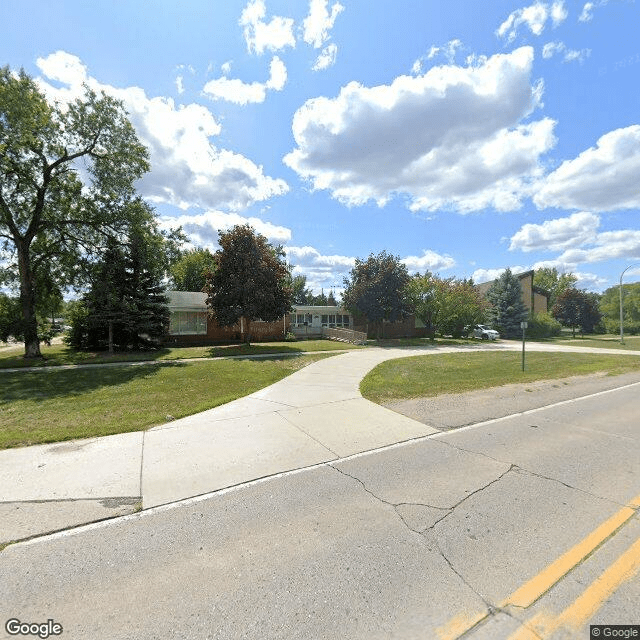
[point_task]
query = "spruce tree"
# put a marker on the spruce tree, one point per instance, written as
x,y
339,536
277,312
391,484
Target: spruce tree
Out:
x,y
507,309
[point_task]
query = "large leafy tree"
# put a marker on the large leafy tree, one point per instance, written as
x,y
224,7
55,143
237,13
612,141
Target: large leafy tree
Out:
x,y
188,273
376,289
507,310
575,308
610,308
49,214
548,279
446,305
250,280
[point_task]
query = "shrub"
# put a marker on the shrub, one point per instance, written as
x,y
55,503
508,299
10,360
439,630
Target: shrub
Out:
x,y
631,327
543,325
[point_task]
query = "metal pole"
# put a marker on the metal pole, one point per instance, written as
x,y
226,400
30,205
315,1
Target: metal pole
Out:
x,y
621,330
523,346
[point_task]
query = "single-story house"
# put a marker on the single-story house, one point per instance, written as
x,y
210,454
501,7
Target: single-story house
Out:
x,y
191,324
307,321
534,298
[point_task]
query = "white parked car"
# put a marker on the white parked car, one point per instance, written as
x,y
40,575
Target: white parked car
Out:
x,y
483,332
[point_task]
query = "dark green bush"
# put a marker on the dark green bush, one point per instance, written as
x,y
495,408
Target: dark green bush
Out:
x,y
543,325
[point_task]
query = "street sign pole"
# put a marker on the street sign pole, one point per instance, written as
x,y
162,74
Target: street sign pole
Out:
x,y
523,325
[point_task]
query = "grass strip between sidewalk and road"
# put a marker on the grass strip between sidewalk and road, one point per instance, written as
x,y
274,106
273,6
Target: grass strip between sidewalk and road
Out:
x,y
431,375
64,404
59,354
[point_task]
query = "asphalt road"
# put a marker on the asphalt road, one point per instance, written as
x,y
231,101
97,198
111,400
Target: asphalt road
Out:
x,y
522,527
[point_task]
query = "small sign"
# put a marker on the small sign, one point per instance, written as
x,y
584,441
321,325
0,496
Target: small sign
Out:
x,y
524,325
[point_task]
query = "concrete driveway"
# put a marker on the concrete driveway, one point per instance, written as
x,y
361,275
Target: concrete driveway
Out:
x,y
312,417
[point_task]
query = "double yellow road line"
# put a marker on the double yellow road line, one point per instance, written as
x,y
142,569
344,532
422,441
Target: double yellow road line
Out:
x,y
580,611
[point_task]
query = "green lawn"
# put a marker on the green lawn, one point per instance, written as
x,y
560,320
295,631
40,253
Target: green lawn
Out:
x,y
608,341
422,376
56,405
59,354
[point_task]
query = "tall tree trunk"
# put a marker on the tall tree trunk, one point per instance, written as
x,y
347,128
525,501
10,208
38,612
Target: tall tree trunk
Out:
x,y
247,335
28,301
110,337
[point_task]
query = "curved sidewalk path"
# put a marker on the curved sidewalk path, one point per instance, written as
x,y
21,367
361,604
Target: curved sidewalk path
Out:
x,y
316,415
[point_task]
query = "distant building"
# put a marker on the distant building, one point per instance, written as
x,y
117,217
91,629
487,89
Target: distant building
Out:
x,y
534,298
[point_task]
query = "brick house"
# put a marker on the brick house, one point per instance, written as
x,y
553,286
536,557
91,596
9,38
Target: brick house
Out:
x,y
191,323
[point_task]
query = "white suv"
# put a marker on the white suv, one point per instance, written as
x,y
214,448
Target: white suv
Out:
x,y
484,332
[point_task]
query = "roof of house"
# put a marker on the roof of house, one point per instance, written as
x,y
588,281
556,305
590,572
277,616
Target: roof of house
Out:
x,y
485,286
187,300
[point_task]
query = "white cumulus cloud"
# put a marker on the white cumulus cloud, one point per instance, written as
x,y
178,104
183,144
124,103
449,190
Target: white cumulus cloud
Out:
x,y
319,22
275,35
452,137
428,261
487,275
602,178
558,234
239,92
535,17
569,55
327,58
202,228
186,168
587,10
322,271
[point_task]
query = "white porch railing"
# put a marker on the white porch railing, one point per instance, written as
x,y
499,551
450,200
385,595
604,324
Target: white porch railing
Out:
x,y
344,335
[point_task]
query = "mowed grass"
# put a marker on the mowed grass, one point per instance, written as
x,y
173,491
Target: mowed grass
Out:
x,y
423,376
59,354
62,404
631,343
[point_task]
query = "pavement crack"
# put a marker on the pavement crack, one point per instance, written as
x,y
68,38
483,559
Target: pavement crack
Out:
x,y
516,467
491,608
364,486
473,493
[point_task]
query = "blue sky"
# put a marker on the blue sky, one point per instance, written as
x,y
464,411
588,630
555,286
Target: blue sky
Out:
x,y
464,137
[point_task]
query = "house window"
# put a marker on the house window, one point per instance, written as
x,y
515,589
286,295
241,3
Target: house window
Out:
x,y
325,320
188,323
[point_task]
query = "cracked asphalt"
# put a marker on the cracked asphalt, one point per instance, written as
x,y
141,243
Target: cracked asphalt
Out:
x,y
433,538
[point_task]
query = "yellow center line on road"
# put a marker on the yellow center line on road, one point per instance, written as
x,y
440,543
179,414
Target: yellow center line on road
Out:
x,y
582,609
537,586
528,593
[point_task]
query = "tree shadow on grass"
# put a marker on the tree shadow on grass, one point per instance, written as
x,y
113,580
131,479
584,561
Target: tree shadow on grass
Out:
x,y
66,356
252,349
66,383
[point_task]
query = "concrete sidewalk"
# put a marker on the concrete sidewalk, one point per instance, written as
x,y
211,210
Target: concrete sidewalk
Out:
x,y
313,416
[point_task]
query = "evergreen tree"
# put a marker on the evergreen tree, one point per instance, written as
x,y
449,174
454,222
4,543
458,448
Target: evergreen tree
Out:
x,y
126,306
507,309
147,313
105,303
